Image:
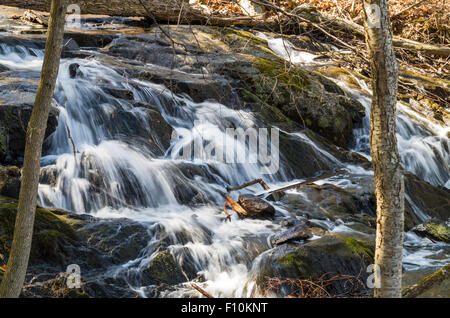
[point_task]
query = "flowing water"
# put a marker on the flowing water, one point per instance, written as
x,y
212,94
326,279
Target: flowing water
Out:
x,y
114,174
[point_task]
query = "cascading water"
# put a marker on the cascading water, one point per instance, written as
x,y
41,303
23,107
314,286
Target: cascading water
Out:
x,y
103,165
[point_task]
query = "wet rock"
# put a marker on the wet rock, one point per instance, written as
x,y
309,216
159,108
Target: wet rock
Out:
x,y
328,201
434,229
121,239
13,124
54,240
10,181
256,207
119,92
333,253
74,70
160,132
3,68
199,87
89,39
56,287
163,270
299,232
48,175
431,200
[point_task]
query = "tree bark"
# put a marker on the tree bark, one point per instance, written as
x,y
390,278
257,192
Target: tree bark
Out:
x,y
389,183
172,11
14,277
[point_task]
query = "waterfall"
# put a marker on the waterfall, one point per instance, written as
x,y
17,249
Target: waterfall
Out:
x,y
115,173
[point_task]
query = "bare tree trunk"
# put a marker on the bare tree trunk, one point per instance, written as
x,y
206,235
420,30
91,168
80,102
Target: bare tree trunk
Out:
x,y
389,183
14,277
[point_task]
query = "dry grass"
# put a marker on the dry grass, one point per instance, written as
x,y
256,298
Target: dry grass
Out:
x,y
318,288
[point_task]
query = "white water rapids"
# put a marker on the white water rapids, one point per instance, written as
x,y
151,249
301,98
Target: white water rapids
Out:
x,y
131,173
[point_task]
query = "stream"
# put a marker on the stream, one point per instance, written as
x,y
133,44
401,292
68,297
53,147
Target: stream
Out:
x,y
117,173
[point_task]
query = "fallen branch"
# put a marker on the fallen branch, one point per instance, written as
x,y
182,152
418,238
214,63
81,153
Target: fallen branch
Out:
x,y
245,185
306,182
200,290
73,143
236,207
276,196
427,283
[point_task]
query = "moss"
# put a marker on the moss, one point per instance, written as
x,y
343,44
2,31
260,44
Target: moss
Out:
x,y
297,262
244,35
164,269
362,249
50,231
439,231
279,70
323,122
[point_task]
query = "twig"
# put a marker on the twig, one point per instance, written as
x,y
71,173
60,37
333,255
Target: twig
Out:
x,y
202,291
408,8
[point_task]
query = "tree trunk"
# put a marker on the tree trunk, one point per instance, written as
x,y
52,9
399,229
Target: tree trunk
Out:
x,y
20,250
164,11
131,8
389,184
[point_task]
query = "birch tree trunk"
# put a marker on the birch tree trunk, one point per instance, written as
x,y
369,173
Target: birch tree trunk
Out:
x,y
389,184
14,277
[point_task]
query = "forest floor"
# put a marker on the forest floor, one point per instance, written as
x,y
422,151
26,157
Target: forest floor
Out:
x,y
426,21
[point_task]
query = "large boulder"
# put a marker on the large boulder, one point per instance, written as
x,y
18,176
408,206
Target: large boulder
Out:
x,y
10,181
335,254
13,125
425,199
61,238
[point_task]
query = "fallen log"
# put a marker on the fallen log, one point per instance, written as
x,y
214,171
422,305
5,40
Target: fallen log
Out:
x,y
427,283
167,11
329,24
180,12
300,232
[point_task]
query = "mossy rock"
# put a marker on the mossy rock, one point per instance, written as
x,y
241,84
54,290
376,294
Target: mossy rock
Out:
x,y
284,94
332,254
10,181
163,270
52,235
434,230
